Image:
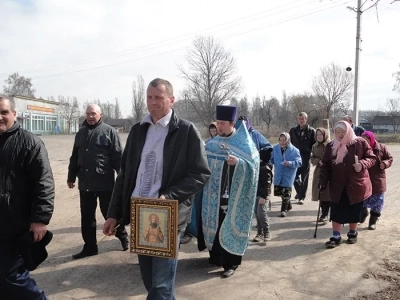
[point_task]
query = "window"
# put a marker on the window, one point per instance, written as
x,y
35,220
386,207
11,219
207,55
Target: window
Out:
x,y
51,122
37,123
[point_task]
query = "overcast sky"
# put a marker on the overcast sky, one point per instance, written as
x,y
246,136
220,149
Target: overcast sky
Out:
x,y
94,49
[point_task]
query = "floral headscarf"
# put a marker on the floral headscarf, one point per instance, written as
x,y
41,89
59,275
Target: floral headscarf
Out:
x,y
339,147
371,138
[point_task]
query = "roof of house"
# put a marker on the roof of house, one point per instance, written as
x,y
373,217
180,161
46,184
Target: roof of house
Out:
x,y
386,120
35,99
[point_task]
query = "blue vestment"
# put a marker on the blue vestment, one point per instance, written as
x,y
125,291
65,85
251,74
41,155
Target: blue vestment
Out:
x,y
236,227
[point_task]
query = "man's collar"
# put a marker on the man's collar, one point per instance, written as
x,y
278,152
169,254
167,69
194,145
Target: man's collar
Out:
x,y
164,121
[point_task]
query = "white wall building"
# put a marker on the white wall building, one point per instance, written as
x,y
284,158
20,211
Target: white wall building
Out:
x,y
41,116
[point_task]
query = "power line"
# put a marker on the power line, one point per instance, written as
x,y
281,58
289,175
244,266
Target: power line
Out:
x,y
170,41
183,48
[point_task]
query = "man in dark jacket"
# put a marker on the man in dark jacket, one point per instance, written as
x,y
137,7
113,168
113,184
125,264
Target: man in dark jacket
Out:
x,y
95,156
302,137
164,158
358,130
26,201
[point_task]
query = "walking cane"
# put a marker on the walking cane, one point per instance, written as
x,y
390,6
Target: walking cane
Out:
x,y
319,209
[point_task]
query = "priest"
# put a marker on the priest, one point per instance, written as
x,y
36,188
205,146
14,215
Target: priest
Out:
x,y
230,194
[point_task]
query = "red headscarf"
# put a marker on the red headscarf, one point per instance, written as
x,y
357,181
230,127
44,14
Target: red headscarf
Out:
x,y
339,147
371,138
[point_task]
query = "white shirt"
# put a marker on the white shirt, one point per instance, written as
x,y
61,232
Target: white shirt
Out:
x,y
149,176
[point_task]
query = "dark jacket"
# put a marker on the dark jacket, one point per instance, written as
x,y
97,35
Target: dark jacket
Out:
x,y
376,174
265,180
185,168
343,176
96,154
303,139
358,130
26,183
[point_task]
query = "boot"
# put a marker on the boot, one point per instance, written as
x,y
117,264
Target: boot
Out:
x,y
373,219
364,215
285,206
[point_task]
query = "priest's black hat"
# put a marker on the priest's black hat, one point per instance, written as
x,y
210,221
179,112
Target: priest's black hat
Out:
x,y
226,113
34,253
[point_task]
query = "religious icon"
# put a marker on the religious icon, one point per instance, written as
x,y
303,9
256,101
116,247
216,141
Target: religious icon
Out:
x,y
154,228
153,233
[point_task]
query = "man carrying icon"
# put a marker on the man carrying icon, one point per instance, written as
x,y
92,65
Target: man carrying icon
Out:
x,y
230,194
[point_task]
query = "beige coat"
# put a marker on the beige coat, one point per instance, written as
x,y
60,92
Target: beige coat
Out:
x,y
317,153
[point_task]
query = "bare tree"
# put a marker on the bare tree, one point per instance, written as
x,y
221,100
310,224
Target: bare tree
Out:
x,y
69,111
269,110
333,87
397,79
138,99
117,110
18,85
309,104
393,106
256,112
210,77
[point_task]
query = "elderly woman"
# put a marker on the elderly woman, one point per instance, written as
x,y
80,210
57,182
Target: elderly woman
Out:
x,y
286,159
345,167
378,179
317,152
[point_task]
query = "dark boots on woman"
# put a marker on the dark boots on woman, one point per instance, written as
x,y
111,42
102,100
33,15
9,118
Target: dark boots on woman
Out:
x,y
285,207
373,219
364,215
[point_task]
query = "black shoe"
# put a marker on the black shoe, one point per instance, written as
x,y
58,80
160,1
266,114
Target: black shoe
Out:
x,y
84,253
296,197
125,243
323,218
333,242
352,238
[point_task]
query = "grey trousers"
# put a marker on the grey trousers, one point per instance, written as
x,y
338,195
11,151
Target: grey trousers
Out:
x,y
260,211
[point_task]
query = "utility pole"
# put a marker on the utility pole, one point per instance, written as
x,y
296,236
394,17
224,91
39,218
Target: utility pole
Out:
x,y
357,63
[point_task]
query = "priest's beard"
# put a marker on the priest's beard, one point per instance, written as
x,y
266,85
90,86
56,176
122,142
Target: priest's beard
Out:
x,y
153,224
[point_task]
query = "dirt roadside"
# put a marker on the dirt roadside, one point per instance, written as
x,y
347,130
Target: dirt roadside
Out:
x,y
293,265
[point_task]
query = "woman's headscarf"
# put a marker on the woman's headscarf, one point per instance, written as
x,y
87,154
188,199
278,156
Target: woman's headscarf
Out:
x,y
371,138
212,125
324,133
287,136
339,147
248,124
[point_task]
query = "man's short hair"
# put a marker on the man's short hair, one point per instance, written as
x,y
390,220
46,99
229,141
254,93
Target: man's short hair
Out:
x,y
347,117
9,98
303,114
166,83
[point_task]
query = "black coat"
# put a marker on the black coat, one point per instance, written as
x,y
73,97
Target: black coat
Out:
x,y
303,139
26,183
95,156
185,169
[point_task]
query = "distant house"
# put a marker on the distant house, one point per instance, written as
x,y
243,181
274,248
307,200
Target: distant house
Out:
x,y
121,125
367,125
386,124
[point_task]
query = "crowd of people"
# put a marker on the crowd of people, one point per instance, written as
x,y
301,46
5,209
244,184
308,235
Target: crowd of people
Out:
x,y
228,178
